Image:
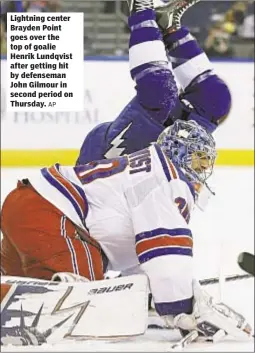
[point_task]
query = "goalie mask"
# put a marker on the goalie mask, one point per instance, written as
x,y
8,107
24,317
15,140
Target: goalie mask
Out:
x,y
192,148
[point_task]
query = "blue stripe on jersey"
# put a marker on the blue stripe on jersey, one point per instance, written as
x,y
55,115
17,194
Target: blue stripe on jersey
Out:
x,y
79,190
69,244
148,255
173,232
163,161
65,192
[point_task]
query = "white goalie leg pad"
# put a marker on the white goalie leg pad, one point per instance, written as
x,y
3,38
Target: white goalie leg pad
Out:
x,y
213,320
107,309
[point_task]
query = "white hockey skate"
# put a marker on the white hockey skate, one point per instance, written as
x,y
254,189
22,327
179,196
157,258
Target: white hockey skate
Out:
x,y
140,5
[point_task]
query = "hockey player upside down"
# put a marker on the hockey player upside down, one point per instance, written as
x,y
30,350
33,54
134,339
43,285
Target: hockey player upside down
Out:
x,y
160,51
131,213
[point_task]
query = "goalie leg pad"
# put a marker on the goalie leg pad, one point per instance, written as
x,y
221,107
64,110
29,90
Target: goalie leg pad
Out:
x,y
85,310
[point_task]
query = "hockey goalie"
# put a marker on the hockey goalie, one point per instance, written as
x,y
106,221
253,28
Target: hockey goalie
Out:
x,y
129,214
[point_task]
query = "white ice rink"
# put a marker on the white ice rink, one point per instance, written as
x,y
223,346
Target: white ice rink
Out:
x,y
220,234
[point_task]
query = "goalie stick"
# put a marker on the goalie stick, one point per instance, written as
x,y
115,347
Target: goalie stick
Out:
x,y
246,262
213,280
230,278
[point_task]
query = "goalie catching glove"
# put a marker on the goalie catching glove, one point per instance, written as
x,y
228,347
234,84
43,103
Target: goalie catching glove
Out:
x,y
213,321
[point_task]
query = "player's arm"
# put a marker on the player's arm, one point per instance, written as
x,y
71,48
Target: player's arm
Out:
x,y
164,247
155,85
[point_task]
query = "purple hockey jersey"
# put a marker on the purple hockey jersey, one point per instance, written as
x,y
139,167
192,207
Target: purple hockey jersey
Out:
x,y
155,62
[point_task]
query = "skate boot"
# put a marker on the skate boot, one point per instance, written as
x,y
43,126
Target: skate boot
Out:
x,y
169,14
140,5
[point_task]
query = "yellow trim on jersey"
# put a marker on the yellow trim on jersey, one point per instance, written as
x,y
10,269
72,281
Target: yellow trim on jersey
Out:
x,y
42,158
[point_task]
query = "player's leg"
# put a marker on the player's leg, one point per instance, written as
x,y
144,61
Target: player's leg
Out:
x,y
141,121
10,259
155,85
202,88
45,239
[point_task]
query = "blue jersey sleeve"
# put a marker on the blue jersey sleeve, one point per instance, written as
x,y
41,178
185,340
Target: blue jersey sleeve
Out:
x,y
133,130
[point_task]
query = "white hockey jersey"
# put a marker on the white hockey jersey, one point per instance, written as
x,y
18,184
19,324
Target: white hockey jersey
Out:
x,y
137,207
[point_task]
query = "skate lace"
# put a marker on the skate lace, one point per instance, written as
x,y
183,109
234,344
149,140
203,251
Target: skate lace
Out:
x,y
178,14
143,5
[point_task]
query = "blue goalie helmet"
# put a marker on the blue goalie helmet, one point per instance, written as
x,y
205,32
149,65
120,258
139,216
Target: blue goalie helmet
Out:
x,y
191,148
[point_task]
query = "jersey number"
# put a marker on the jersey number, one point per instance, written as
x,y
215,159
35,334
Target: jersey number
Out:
x,y
138,162
100,169
183,208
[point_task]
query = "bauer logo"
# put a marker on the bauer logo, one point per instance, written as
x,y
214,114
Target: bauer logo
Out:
x,y
111,289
